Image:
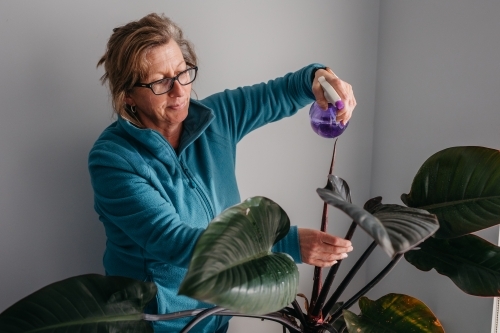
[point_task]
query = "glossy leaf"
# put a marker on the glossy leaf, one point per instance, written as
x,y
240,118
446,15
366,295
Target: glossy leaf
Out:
x,y
233,266
461,185
395,228
393,313
407,227
369,223
339,187
471,262
86,304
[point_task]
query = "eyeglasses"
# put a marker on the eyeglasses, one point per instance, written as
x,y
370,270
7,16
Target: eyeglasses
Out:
x,y
164,85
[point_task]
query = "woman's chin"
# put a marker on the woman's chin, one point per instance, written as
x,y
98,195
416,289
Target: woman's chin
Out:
x,y
176,116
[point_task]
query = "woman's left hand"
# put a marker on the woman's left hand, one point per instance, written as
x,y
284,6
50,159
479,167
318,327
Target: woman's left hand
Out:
x,y
344,90
321,249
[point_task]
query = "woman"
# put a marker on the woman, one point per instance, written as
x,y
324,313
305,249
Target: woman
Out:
x,y
166,167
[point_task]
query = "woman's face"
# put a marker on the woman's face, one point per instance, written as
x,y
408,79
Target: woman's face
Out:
x,y
162,112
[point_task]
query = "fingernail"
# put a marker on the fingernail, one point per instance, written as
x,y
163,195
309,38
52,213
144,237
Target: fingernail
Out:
x,y
350,249
343,255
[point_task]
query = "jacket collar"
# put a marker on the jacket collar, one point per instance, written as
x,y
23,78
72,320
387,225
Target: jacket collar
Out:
x,y
198,119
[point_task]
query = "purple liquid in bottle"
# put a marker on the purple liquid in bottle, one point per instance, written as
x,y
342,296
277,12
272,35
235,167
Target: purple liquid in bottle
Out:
x,y
324,122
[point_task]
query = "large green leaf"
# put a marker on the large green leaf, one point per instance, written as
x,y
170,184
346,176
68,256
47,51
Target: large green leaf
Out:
x,y
461,185
393,313
86,304
472,263
233,266
395,228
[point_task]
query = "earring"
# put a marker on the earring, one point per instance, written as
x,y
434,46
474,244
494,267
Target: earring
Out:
x,y
131,108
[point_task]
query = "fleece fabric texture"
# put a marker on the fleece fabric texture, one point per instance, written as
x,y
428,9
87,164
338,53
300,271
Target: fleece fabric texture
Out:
x,y
155,201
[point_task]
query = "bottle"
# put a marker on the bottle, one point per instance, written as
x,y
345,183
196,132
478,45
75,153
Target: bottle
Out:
x,y
324,122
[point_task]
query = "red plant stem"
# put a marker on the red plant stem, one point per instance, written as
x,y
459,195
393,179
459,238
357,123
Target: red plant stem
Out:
x,y
318,270
333,158
366,289
340,289
316,312
324,225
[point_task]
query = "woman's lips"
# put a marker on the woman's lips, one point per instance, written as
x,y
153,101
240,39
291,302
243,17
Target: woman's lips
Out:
x,y
177,106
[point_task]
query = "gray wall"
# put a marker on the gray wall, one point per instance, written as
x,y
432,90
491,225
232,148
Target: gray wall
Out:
x,y
433,84
438,84
53,108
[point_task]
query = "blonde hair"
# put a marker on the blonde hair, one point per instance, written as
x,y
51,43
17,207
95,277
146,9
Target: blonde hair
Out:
x,y
125,57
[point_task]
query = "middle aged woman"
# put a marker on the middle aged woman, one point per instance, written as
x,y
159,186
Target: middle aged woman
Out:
x,y
166,167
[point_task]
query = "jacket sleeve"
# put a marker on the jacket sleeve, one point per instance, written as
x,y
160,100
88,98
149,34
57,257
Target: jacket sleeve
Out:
x,y
242,110
127,198
290,245
245,109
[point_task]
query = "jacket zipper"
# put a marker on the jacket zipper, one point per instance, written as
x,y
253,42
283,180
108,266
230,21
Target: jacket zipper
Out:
x,y
202,195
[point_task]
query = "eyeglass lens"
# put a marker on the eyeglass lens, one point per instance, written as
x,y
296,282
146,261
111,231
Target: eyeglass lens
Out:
x,y
165,85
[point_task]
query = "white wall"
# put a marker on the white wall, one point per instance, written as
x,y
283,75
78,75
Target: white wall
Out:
x,y
53,108
438,86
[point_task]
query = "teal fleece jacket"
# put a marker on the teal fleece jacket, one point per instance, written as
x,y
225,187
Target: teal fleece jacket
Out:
x,y
155,201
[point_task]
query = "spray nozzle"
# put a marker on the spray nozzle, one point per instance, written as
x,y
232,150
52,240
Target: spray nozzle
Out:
x,y
330,94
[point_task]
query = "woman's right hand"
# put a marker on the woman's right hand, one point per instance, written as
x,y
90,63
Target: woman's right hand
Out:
x,y
343,88
321,249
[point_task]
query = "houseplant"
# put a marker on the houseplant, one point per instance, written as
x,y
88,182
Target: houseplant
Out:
x,y
459,186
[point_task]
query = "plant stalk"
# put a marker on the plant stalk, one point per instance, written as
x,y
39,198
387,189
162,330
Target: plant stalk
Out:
x,y
200,316
318,306
328,327
299,313
318,270
343,285
273,316
317,278
367,288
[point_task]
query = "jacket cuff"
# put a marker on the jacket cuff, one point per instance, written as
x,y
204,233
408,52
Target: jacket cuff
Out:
x,y
290,245
314,68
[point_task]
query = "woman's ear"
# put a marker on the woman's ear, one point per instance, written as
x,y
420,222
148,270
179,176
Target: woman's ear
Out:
x,y
128,99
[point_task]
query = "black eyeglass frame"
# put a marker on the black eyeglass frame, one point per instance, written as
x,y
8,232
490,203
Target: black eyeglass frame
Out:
x,y
150,85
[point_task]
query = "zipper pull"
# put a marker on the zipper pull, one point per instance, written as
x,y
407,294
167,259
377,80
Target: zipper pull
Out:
x,y
188,175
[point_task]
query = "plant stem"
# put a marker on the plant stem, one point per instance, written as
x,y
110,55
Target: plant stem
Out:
x,y
172,316
340,289
300,314
318,270
318,306
324,225
328,327
333,157
367,288
273,316
200,316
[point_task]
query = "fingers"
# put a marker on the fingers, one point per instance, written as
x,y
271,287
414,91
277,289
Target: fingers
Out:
x,y
320,263
347,95
334,240
344,90
321,249
319,96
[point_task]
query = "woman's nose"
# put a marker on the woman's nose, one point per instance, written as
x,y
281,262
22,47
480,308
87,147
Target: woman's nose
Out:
x,y
177,90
